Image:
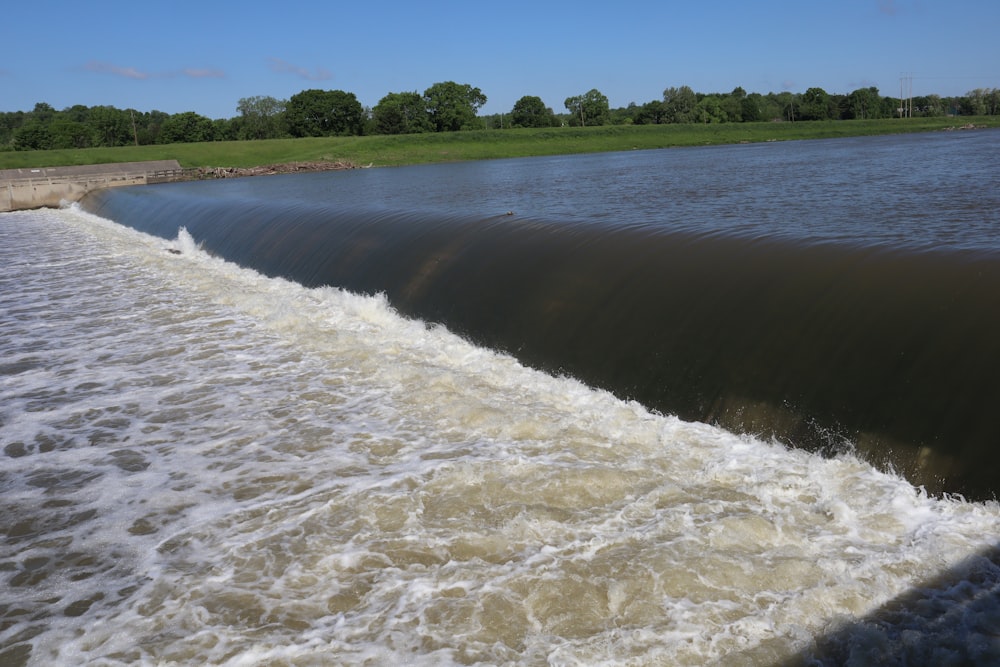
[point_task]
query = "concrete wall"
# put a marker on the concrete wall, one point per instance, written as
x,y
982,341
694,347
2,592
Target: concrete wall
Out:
x,y
52,186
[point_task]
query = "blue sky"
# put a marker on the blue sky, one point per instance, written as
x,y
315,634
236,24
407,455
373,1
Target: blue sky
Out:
x,y
204,56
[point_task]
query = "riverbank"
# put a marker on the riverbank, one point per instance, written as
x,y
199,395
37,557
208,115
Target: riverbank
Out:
x,y
51,187
397,150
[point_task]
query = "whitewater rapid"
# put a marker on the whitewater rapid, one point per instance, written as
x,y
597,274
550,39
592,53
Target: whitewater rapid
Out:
x,y
203,465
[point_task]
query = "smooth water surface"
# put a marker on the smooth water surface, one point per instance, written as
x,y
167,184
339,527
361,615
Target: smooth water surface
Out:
x,y
930,191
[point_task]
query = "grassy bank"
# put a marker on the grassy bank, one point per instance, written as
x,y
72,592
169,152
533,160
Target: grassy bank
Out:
x,y
481,145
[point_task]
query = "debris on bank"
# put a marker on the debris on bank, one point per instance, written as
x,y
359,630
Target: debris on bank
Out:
x,y
205,173
967,126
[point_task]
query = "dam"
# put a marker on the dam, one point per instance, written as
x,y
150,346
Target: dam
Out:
x,y
41,187
345,462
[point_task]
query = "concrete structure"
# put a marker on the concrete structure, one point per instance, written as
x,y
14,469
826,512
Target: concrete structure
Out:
x,y
52,186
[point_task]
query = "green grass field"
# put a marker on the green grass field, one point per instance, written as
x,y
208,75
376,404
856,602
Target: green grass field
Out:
x,y
394,150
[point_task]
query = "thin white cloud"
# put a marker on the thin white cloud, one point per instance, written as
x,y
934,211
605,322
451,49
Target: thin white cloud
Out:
x,y
204,73
132,73
109,68
279,65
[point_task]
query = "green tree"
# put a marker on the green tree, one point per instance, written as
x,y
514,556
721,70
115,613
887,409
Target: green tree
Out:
x,y
591,108
754,107
972,104
650,113
226,129
111,126
149,125
187,127
261,117
679,104
981,102
732,105
10,121
993,101
453,106
624,115
43,112
68,133
786,104
709,110
929,105
32,136
306,113
863,103
530,111
324,113
402,113
815,105
77,112
890,107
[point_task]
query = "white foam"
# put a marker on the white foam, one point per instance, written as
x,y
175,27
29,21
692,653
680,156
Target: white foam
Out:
x,y
279,473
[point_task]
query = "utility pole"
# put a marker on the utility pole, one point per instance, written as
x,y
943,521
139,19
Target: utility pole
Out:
x,y
910,81
135,133
900,109
906,95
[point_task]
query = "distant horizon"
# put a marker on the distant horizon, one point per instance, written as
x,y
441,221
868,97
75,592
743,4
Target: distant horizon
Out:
x,y
206,57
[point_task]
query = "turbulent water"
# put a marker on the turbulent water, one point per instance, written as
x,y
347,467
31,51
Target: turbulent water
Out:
x,y
204,465
803,307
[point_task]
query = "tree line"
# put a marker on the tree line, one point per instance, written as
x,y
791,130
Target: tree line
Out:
x,y
449,107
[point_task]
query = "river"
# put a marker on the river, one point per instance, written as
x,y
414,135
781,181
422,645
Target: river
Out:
x,y
411,416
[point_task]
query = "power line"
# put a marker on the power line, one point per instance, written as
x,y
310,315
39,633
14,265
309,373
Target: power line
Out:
x,y
958,76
